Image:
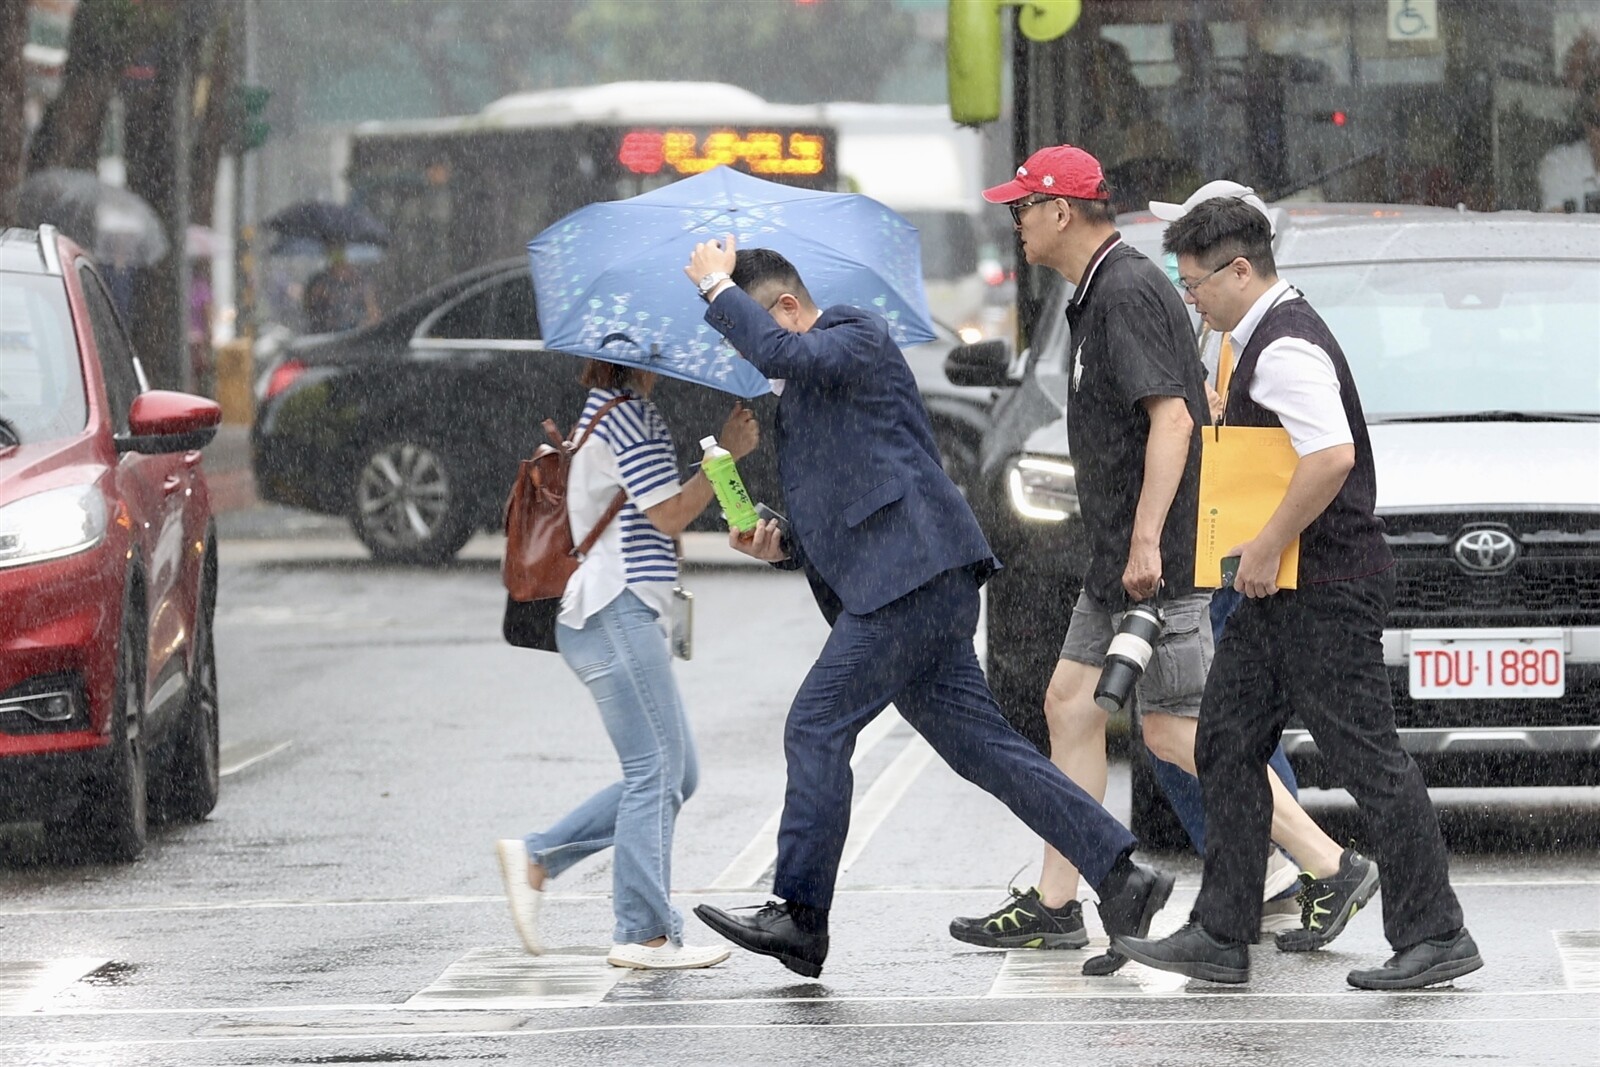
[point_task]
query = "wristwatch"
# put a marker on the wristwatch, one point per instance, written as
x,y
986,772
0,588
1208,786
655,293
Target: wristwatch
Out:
x,y
710,282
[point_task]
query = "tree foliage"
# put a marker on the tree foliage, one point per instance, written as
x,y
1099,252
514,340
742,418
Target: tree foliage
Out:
x,y
457,55
825,50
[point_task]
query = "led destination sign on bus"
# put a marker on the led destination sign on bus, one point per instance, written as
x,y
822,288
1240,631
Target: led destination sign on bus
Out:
x,y
761,152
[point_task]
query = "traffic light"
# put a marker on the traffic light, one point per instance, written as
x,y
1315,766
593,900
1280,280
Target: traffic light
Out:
x,y
973,48
1338,118
248,130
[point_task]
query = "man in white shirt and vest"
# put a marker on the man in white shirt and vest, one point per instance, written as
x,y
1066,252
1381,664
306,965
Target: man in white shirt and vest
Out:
x,y
1315,652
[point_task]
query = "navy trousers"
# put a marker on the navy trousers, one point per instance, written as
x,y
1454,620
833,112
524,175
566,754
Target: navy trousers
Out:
x,y
917,654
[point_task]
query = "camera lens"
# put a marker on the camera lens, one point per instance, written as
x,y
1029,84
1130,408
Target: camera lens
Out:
x,y
1128,655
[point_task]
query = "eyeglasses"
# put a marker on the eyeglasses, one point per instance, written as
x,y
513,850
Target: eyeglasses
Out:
x,y
1018,208
1190,287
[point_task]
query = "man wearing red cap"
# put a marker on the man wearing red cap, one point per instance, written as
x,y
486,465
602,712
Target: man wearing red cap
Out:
x,y
1136,394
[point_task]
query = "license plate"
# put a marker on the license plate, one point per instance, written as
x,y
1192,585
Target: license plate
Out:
x,y
1500,667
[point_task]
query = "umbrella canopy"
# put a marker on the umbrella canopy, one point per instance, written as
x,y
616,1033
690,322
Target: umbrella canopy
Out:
x,y
328,223
116,226
609,280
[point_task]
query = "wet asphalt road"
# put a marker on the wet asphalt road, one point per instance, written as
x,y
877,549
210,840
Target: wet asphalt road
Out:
x,y
342,905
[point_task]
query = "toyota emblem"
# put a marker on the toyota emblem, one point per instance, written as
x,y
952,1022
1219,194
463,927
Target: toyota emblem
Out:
x,y
1486,551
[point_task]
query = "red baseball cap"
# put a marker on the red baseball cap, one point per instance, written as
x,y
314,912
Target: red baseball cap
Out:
x,y
1060,170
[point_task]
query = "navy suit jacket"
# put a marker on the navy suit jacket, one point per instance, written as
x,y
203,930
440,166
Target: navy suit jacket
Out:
x,y
872,513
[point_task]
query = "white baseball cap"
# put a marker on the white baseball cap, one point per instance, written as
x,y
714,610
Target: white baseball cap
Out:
x,y
1216,190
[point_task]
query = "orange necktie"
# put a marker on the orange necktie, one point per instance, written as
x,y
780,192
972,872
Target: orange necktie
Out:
x,y
1225,366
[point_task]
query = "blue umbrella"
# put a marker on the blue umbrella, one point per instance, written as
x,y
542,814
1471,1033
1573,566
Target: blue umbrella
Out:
x,y
609,277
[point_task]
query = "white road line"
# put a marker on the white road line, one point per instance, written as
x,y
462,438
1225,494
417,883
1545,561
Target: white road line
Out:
x,y
499,900
1580,957
238,755
880,799
758,856
293,1034
1031,973
1210,996
27,985
489,978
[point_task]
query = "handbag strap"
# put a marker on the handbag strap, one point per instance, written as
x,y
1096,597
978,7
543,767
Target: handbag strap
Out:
x,y
622,494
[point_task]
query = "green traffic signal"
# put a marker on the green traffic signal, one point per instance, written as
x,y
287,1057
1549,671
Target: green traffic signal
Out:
x,y
246,104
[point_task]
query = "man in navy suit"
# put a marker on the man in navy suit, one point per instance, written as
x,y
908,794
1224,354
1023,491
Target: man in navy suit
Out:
x,y
895,558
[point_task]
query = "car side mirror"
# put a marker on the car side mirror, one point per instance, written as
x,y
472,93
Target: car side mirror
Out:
x,y
161,421
984,363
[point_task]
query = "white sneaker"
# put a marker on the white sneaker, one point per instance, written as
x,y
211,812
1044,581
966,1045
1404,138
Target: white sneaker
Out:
x,y
1278,916
666,957
525,900
1281,874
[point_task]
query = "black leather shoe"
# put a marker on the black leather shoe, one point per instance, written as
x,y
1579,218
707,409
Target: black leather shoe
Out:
x,y
1193,952
1423,964
1129,914
771,931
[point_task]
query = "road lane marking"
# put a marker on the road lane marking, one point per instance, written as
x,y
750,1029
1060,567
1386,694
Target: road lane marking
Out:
x,y
315,1032
1580,957
1208,995
499,900
238,755
1030,972
880,799
748,867
492,978
27,985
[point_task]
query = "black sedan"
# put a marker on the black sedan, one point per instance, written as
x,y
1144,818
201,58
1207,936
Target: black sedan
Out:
x,y
413,427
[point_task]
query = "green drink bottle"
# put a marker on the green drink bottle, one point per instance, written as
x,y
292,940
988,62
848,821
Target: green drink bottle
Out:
x,y
723,475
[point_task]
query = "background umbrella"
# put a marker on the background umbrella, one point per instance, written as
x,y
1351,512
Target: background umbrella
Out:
x,y
116,226
319,220
310,247
609,277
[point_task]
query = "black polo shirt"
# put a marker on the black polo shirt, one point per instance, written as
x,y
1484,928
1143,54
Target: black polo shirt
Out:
x,y
1131,339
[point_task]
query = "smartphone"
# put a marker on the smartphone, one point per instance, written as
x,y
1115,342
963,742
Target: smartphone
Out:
x,y
768,515
1230,570
682,623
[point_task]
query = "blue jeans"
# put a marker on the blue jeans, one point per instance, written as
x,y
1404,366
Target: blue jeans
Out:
x,y
622,656
1181,787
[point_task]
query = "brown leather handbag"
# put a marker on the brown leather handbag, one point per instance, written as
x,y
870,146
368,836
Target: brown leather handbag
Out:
x,y
540,554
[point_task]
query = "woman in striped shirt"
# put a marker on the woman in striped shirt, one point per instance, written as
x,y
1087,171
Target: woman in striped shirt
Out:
x,y
614,632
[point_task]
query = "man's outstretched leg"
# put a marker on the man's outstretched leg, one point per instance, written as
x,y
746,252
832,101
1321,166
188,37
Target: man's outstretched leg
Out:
x,y
864,662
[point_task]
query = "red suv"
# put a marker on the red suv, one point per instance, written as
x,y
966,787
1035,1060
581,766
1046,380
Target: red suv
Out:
x,y
108,567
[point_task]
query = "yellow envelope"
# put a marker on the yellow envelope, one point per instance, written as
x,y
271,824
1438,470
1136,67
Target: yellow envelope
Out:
x,y
1244,474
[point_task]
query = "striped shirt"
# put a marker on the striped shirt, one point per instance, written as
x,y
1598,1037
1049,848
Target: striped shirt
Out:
x,y
631,449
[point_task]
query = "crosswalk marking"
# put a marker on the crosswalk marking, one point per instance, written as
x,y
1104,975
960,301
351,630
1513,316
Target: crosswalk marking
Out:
x,y
880,799
750,865
1036,973
1580,957
510,978
27,985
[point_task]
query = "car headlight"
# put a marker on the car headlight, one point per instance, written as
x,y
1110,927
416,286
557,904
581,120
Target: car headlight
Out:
x,y
51,524
1044,490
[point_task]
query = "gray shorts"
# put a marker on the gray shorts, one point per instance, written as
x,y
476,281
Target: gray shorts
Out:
x,y
1176,676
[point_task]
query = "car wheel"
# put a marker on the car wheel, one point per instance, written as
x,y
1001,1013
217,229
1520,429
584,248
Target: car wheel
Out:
x,y
1151,819
189,790
111,822
411,504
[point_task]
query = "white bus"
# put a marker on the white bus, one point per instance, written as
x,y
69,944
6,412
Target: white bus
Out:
x,y
460,192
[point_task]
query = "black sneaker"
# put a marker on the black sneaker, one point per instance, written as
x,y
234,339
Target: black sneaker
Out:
x,y
1426,963
1327,904
1024,922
